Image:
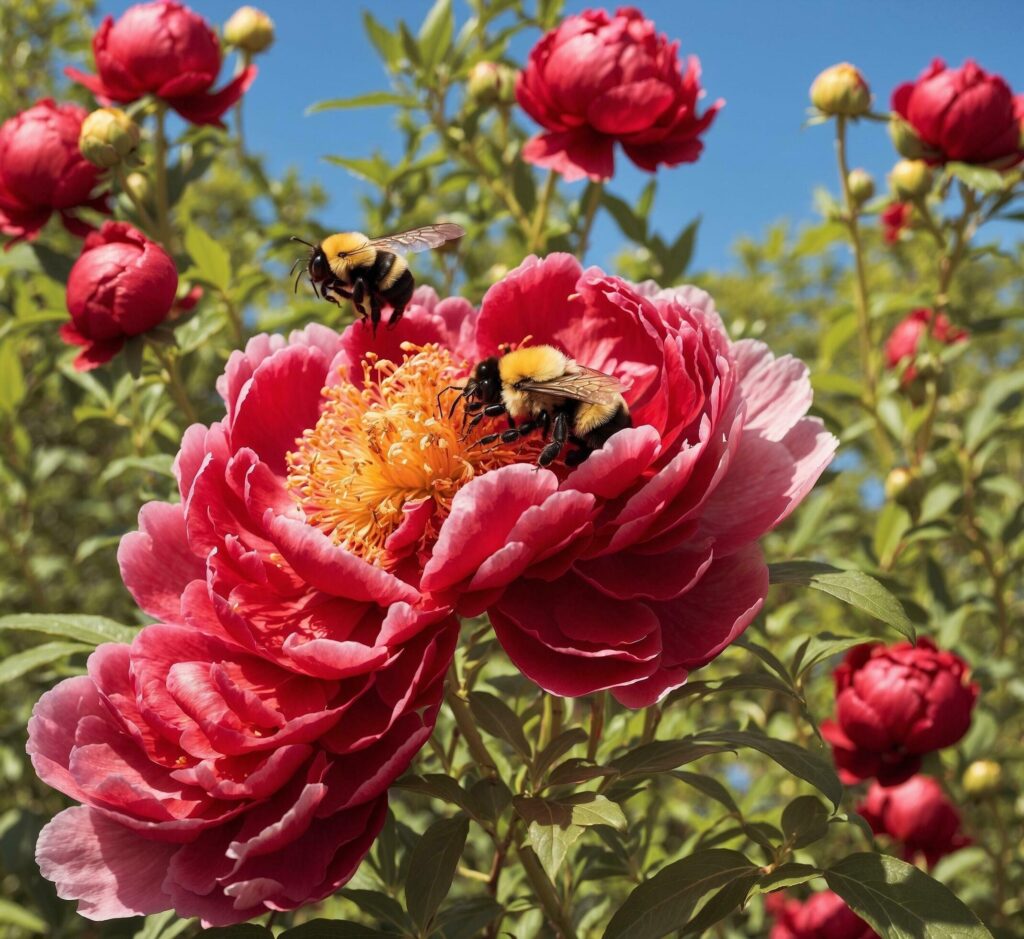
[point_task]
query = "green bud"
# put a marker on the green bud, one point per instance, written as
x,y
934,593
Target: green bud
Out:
x,y
491,83
983,778
862,186
140,187
899,480
249,29
910,180
906,141
108,137
841,90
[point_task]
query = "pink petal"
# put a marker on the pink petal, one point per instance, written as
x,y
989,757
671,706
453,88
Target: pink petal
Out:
x,y
575,154
662,576
610,471
206,108
777,392
629,107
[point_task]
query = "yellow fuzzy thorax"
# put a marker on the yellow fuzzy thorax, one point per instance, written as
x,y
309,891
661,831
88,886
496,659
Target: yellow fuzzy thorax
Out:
x,y
343,242
538,363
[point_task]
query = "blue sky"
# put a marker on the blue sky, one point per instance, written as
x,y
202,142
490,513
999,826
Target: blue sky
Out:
x,y
759,164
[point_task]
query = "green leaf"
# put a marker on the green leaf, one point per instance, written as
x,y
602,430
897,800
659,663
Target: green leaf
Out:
x,y
852,587
387,43
160,463
588,808
14,666
211,260
680,253
632,225
55,266
380,906
900,901
13,915
331,929
466,919
437,786
373,99
373,171
12,378
488,798
893,523
558,747
660,756
666,902
432,867
990,413
728,899
91,630
978,177
787,875
555,825
435,35
822,647
711,787
804,821
243,931
164,925
499,720
800,762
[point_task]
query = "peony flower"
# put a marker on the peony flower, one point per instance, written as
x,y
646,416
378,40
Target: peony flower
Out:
x,y
235,758
895,219
916,813
122,285
963,114
893,705
595,80
42,170
823,915
164,49
904,341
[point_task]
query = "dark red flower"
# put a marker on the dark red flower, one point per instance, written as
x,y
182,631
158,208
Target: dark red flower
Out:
x,y
122,285
823,915
963,114
43,171
162,48
895,219
904,341
916,813
595,80
894,704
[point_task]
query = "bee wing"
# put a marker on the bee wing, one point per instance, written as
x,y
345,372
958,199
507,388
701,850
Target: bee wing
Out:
x,y
420,239
586,385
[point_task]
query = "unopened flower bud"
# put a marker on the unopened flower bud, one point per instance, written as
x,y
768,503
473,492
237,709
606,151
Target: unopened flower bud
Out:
x,y
906,141
862,186
140,186
491,83
841,90
108,137
983,778
898,482
249,29
910,180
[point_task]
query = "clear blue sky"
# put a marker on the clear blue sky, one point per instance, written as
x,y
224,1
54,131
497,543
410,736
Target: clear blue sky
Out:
x,y
759,164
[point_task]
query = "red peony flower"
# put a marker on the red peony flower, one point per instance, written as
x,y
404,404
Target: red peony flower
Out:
x,y
42,170
122,285
893,705
595,80
895,220
905,339
963,114
164,49
918,814
823,915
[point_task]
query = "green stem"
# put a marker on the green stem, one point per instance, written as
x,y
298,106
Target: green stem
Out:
x,y
163,212
545,892
598,702
234,317
140,206
652,718
175,384
467,726
541,215
244,62
589,214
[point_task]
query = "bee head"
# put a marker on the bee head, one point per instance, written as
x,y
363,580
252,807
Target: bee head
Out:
x,y
486,381
316,265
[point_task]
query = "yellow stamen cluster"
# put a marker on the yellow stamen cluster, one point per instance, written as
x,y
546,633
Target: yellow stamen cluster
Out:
x,y
386,444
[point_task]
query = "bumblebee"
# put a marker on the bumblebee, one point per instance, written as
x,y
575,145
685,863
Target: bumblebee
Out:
x,y
371,272
540,388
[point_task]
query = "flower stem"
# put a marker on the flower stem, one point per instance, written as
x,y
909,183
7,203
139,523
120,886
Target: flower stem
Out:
x,y
467,726
541,214
140,206
598,702
589,214
163,215
545,892
175,385
244,62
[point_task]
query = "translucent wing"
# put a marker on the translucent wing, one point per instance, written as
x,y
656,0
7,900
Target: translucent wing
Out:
x,y
420,239
581,384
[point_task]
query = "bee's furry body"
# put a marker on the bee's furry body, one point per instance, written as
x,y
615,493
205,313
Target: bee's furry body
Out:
x,y
385,275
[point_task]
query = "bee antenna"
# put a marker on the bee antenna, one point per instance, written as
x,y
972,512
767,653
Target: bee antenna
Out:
x,y
302,241
298,261
298,277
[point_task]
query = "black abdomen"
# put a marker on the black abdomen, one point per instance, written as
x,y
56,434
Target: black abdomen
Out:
x,y
399,293
599,435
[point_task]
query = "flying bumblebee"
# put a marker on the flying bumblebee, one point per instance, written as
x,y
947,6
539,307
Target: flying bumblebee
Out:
x,y
546,391
369,271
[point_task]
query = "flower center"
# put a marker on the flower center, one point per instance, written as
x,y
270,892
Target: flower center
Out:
x,y
378,448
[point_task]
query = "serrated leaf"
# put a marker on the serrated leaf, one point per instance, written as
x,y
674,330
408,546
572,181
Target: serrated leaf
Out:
x,y
900,901
373,99
92,630
853,587
21,663
804,821
212,261
660,756
800,762
665,902
432,867
499,720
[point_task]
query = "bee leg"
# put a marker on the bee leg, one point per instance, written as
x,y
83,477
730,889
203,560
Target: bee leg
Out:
x,y
359,297
374,311
559,437
544,421
514,433
458,398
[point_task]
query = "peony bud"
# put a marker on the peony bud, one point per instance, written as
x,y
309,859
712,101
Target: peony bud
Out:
x,y
910,180
841,90
249,29
898,482
862,186
983,778
491,83
906,142
108,137
141,187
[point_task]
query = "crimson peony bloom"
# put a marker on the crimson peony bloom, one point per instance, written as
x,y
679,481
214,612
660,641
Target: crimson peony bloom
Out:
x,y
893,705
164,49
42,170
905,339
122,285
595,80
916,813
823,915
963,114
895,219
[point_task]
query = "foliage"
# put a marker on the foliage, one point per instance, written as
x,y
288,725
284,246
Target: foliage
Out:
x,y
530,815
